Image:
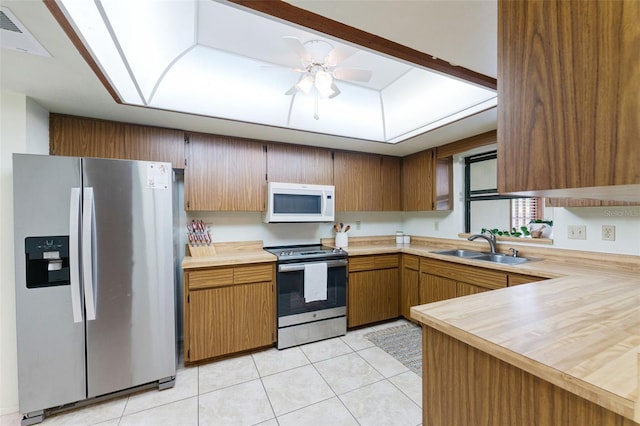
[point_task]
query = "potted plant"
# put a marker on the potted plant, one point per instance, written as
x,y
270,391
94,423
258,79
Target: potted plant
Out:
x,y
541,228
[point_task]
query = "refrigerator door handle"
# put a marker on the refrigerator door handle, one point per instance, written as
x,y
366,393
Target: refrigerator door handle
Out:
x,y
74,253
87,254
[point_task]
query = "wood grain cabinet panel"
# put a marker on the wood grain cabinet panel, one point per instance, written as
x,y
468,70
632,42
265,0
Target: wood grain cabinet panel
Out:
x,y
441,280
469,387
87,137
517,279
357,178
224,174
417,181
409,284
228,309
299,164
391,175
373,289
568,79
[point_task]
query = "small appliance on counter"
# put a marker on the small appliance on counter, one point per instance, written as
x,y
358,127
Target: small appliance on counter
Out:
x,y
311,289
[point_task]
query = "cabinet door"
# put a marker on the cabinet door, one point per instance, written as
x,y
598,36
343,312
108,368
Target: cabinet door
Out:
x,y
464,289
88,137
417,181
224,174
299,164
357,180
230,319
372,296
434,288
517,279
409,284
391,177
568,81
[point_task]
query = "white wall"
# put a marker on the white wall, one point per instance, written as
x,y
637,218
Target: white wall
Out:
x,y
247,226
24,128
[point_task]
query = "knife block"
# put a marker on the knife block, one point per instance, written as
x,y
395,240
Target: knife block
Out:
x,y
202,251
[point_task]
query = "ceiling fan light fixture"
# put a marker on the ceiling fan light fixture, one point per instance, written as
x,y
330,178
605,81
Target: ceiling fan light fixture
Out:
x,y
323,80
305,85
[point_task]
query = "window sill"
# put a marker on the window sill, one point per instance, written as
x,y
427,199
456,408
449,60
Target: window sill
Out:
x,y
525,240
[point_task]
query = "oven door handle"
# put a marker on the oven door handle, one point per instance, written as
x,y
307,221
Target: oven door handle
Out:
x,y
290,267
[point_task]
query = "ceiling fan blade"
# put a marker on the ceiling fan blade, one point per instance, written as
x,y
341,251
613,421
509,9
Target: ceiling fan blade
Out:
x,y
352,74
296,45
279,68
337,55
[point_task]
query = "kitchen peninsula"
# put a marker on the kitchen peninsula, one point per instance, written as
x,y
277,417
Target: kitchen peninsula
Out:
x,y
560,351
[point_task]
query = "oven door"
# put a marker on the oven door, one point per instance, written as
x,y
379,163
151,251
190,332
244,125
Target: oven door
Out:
x,y
290,288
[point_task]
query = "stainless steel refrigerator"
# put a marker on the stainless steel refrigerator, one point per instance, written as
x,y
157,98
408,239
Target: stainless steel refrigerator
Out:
x,y
95,294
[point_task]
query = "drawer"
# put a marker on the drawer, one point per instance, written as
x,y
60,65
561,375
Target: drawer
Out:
x,y
361,263
464,273
386,261
411,262
210,278
253,273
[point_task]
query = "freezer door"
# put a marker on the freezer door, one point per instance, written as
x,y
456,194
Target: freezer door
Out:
x,y
131,341
51,362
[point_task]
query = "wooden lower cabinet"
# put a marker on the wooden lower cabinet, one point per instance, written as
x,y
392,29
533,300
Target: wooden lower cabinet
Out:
x,y
228,310
517,279
467,386
409,284
441,280
373,289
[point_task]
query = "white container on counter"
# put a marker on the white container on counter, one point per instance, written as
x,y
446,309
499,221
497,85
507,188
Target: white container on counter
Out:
x,y
406,239
399,237
342,239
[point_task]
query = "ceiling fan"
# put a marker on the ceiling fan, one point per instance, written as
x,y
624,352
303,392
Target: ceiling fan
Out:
x,y
320,68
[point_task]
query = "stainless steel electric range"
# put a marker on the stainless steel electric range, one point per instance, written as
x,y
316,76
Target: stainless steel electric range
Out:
x,y
305,312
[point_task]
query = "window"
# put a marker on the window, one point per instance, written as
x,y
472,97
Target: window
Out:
x,y
485,207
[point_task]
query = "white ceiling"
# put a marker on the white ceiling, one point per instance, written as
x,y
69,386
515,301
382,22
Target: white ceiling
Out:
x,y
460,32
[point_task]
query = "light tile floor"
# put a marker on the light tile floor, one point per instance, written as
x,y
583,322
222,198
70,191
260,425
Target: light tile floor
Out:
x,y
341,381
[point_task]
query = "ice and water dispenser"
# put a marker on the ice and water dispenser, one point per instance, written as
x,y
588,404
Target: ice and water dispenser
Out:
x,y
47,261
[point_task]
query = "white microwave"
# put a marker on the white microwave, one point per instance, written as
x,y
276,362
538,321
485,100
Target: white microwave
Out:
x,y
295,202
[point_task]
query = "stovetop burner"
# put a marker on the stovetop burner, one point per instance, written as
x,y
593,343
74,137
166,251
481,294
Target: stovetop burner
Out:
x,y
303,252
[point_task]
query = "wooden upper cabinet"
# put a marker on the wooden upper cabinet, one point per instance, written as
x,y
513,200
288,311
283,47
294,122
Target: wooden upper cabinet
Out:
x,y
357,178
568,79
391,177
224,174
417,181
88,137
299,164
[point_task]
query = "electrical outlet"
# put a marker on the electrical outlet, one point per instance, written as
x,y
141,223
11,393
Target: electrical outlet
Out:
x,y
608,233
436,225
357,225
577,232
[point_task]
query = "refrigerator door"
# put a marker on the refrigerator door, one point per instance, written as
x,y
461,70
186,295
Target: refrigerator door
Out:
x,y
51,356
131,341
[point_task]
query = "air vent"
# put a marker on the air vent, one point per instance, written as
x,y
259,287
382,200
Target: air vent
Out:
x,y
7,24
15,36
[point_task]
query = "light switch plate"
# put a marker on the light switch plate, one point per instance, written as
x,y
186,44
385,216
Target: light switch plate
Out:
x,y
608,233
577,232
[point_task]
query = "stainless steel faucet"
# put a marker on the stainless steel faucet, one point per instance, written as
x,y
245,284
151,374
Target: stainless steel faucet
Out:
x,y
489,236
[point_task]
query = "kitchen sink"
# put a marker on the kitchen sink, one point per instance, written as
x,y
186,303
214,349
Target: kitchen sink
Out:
x,y
462,253
488,257
502,258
